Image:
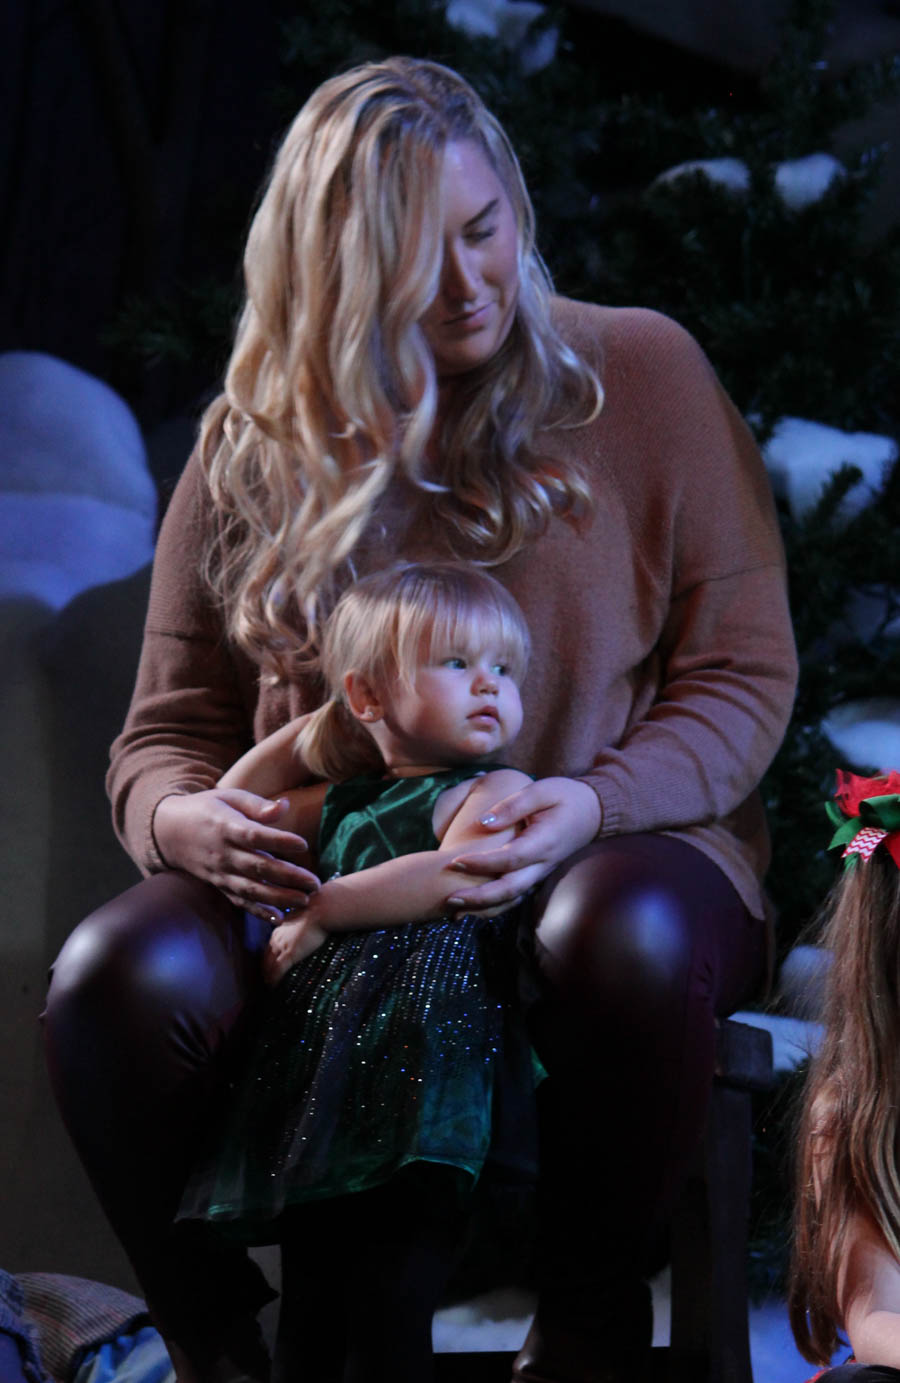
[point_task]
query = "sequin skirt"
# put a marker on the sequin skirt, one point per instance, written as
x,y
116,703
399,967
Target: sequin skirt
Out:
x,y
380,1049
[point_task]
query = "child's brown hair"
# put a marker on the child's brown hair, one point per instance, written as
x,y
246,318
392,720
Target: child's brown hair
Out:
x,y
847,1152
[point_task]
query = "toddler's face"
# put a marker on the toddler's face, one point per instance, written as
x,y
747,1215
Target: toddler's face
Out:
x,y
463,705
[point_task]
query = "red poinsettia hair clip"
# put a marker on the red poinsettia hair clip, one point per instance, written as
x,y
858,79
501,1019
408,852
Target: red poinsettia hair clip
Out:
x,y
866,812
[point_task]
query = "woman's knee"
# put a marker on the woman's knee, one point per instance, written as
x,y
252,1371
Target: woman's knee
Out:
x,y
169,956
151,939
616,925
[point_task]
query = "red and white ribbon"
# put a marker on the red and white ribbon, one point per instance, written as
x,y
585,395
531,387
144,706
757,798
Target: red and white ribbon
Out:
x,y
865,842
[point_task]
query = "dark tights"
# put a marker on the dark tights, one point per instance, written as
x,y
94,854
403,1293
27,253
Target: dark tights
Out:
x,y
862,1373
361,1280
642,942
660,947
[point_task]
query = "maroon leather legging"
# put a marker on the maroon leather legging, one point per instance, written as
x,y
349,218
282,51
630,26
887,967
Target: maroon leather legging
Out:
x,y
650,943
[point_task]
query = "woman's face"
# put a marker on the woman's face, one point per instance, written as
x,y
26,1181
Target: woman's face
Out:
x,y
472,314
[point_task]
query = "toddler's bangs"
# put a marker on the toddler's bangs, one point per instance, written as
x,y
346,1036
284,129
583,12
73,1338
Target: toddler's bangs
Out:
x,y
450,622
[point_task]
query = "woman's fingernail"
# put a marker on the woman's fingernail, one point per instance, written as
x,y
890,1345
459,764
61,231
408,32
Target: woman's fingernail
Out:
x,y
458,866
455,902
487,820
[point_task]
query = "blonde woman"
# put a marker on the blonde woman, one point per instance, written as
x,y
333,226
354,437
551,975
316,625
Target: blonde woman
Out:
x,y
403,384
845,1272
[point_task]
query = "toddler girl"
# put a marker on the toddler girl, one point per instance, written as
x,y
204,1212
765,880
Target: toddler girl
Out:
x,y
846,1267
389,1070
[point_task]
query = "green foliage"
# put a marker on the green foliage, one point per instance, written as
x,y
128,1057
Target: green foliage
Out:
x,y
832,564
802,109
194,324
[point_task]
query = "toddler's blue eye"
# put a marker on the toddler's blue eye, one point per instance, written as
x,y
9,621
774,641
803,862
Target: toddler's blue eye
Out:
x,y
454,662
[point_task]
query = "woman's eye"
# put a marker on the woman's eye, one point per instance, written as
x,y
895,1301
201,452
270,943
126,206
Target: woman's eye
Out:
x,y
476,236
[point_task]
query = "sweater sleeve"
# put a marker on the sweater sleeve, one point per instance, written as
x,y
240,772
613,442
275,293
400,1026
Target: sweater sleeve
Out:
x,y
707,543
191,711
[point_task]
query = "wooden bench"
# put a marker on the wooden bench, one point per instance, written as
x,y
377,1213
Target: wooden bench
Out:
x,y
710,1335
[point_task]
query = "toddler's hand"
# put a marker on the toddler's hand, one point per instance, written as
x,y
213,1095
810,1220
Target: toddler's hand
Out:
x,y
289,943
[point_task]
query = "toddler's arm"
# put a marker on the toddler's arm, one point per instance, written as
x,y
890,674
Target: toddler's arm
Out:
x,y
413,887
410,888
271,769
270,766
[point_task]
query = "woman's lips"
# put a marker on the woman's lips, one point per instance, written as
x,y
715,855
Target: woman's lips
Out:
x,y
474,319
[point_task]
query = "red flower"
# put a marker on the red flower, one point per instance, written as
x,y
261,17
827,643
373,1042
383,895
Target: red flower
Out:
x,y
852,790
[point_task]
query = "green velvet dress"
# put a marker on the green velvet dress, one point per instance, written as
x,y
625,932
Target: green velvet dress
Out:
x,y
381,1049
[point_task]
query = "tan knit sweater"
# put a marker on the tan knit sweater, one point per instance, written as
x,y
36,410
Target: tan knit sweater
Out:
x,y
663,664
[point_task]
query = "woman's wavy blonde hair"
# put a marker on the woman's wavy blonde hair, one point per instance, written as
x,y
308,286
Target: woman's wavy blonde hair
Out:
x,y
331,391
383,627
847,1148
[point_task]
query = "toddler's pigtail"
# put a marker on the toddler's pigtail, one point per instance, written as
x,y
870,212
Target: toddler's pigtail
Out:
x,y
333,745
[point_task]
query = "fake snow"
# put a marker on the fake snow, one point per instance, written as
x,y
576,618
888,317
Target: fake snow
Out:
x,y
509,22
871,612
802,181
799,182
500,1320
801,457
732,173
866,733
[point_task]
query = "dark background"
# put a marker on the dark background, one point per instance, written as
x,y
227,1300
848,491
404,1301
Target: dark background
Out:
x,y
136,132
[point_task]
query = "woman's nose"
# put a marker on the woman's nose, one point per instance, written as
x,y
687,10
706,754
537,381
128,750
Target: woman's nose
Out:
x,y
459,282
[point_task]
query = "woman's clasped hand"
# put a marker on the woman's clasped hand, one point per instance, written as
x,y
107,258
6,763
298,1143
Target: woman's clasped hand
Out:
x,y
232,839
552,818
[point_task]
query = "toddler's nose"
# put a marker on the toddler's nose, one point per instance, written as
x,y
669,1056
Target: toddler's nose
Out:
x,y
487,680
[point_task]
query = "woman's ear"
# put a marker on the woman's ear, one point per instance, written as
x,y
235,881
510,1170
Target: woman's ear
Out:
x,y
362,698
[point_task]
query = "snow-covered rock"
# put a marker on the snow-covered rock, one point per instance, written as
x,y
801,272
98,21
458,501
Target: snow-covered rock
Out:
x,y
793,1039
801,456
77,502
866,733
510,22
802,181
77,515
